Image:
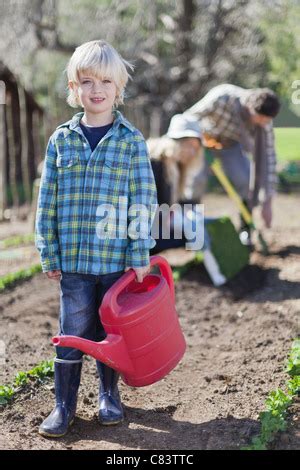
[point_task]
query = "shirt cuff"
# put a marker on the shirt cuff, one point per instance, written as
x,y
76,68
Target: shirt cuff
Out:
x,y
137,258
51,264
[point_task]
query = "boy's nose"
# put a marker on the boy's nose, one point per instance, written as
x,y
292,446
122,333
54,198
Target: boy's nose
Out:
x,y
97,87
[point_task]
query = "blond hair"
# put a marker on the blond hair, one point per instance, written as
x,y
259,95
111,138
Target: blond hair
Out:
x,y
101,60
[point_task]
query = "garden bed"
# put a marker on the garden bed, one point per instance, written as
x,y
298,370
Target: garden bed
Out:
x,y
238,338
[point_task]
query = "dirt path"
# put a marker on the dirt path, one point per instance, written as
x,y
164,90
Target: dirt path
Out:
x,y
237,340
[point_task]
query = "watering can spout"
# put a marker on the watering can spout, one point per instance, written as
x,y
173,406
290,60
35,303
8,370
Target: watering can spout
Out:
x,y
112,351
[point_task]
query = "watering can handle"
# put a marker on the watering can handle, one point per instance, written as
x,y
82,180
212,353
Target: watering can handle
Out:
x,y
165,269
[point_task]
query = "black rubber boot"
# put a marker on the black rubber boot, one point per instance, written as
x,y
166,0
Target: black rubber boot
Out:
x,y
67,380
110,407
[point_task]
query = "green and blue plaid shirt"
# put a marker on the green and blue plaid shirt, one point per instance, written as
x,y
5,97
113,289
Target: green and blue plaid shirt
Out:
x,y
76,182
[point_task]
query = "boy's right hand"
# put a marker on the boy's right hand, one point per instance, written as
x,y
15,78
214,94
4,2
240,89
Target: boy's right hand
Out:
x,y
54,274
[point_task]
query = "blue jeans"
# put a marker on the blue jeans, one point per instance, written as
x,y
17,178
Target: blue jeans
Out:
x,y
236,166
80,298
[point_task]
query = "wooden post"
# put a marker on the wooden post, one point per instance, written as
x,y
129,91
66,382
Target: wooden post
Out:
x,y
3,184
11,149
25,144
16,170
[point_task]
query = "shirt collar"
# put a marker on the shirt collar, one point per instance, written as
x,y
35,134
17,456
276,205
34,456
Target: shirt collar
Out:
x,y
119,120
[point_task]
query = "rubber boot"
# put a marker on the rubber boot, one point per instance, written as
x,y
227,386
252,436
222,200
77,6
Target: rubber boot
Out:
x,y
67,380
110,407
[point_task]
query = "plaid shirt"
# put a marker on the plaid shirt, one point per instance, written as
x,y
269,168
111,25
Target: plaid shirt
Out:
x,y
224,115
75,182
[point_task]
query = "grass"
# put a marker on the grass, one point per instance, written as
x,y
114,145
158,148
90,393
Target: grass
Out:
x,y
287,141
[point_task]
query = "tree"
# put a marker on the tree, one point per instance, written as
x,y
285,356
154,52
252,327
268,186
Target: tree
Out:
x,y
180,48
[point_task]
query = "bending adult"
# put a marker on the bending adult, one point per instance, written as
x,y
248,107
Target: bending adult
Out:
x,y
241,121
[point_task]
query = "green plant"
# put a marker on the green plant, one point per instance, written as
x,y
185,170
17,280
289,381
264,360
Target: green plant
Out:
x,y
180,271
17,240
10,279
38,373
273,419
6,394
293,362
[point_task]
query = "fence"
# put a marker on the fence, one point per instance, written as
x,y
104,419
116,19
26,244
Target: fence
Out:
x,y
22,139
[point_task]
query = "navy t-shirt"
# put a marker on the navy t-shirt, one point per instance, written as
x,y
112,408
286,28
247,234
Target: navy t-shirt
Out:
x,y
95,134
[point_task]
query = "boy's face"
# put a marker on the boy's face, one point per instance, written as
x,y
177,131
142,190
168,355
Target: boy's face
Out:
x,y
96,95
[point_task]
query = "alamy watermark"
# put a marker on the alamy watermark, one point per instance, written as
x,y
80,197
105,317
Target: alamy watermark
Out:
x,y
296,93
2,92
139,222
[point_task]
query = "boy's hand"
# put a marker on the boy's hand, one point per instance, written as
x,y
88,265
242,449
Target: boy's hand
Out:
x,y
54,274
140,272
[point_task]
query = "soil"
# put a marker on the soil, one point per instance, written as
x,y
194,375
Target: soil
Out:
x,y
238,337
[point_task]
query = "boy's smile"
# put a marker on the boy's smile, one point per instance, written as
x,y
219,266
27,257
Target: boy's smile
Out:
x,y
97,100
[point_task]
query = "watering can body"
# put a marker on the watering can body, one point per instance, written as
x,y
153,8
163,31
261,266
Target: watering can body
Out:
x,y
144,340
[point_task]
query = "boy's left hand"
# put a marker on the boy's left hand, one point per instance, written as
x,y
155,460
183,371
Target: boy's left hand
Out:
x,y
140,272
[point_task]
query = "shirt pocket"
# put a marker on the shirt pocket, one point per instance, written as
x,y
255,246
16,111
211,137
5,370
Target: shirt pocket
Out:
x,y
116,163
66,162
115,173
67,170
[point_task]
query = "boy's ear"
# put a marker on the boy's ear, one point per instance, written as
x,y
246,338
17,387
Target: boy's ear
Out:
x,y
71,85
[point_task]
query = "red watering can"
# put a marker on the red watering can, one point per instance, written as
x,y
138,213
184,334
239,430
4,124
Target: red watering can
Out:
x,y
144,341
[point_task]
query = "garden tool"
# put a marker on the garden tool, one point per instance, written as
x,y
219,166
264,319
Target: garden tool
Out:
x,y
144,340
67,379
215,164
222,252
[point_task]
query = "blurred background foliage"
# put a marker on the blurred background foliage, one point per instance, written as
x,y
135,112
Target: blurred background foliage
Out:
x,y
180,48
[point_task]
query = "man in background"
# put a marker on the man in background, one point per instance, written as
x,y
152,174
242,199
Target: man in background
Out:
x,y
240,120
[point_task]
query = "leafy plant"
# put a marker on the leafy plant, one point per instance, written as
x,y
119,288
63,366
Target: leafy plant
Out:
x,y
293,363
17,241
24,274
273,419
6,394
38,373
180,271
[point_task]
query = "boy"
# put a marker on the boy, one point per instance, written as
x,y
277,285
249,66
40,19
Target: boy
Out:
x,y
93,162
